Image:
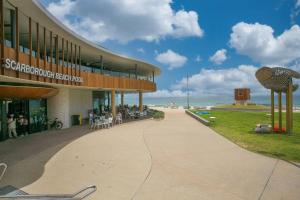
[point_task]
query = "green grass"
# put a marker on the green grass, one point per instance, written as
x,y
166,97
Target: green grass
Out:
x,y
238,127
250,107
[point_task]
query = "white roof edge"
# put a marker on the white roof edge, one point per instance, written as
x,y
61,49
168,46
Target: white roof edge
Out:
x,y
68,30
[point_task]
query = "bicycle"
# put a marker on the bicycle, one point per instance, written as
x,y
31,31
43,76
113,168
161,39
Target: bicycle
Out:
x,y
57,124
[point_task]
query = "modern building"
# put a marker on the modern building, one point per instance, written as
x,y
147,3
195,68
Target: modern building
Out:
x,y
241,96
48,71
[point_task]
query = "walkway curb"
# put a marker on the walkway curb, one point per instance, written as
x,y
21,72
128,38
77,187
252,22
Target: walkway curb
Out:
x,y
198,118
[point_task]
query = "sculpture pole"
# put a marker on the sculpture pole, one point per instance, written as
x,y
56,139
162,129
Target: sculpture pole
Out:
x,y
280,110
287,112
272,108
290,88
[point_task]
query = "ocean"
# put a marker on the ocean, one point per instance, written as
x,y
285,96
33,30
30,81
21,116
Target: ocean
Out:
x,y
201,101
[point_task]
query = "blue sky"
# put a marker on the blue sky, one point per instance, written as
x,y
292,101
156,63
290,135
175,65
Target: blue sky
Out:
x,y
231,38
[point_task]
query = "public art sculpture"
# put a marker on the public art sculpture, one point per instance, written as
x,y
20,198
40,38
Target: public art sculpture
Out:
x,y
280,80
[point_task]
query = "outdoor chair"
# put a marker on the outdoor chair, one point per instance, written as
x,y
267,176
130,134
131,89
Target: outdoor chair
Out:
x,y
106,123
110,122
131,115
119,119
141,114
99,123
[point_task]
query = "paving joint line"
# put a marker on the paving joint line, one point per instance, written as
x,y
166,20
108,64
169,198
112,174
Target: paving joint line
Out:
x,y
266,184
150,169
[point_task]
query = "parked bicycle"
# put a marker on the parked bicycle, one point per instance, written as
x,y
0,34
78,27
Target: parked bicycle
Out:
x,y
55,124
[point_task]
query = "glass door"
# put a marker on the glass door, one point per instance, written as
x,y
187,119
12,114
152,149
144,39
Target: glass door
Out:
x,y
3,120
37,115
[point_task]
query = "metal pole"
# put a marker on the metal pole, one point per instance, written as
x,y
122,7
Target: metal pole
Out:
x,y
280,110
287,113
272,108
290,89
187,90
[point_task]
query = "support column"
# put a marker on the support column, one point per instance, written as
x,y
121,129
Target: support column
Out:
x,y
122,99
153,76
113,103
272,109
140,101
280,110
291,105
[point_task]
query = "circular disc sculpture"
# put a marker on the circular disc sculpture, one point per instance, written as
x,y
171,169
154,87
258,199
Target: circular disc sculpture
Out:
x,y
280,80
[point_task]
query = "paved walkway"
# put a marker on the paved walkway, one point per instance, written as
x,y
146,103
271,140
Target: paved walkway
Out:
x,y
176,158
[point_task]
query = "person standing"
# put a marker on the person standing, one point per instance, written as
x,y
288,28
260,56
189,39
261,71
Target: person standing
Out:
x,y
91,120
25,125
11,123
21,126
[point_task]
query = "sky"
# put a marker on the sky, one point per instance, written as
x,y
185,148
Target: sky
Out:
x,y
218,44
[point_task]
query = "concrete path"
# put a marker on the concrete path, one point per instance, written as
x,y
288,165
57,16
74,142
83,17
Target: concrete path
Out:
x,y
176,158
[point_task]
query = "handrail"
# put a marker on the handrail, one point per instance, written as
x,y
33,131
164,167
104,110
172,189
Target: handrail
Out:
x,y
4,166
75,196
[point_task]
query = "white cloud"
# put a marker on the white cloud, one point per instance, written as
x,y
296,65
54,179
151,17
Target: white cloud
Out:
x,y
198,58
126,20
166,93
141,50
60,8
222,81
297,4
295,12
172,59
219,57
259,43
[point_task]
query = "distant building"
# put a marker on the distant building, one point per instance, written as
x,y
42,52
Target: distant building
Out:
x,y
242,96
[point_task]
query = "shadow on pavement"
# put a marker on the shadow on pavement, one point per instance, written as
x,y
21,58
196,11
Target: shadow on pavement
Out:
x,y
26,157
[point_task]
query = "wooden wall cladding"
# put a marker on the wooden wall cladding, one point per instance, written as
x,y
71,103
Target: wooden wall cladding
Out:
x,y
95,80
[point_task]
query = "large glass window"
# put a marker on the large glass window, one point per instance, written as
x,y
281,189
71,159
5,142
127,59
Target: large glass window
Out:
x,y
101,102
38,115
24,33
9,24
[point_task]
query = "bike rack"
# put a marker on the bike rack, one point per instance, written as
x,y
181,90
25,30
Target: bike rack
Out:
x,y
4,166
75,196
81,194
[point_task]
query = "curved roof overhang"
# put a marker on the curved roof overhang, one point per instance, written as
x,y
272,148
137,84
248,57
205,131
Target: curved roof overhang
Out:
x,y
90,51
26,92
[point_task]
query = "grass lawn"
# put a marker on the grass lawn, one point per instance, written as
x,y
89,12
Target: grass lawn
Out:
x,y
238,127
249,107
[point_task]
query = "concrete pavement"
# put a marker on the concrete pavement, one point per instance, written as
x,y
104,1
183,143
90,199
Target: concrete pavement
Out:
x,y
176,158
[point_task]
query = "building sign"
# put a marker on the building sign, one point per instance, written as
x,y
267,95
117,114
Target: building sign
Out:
x,y
16,66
